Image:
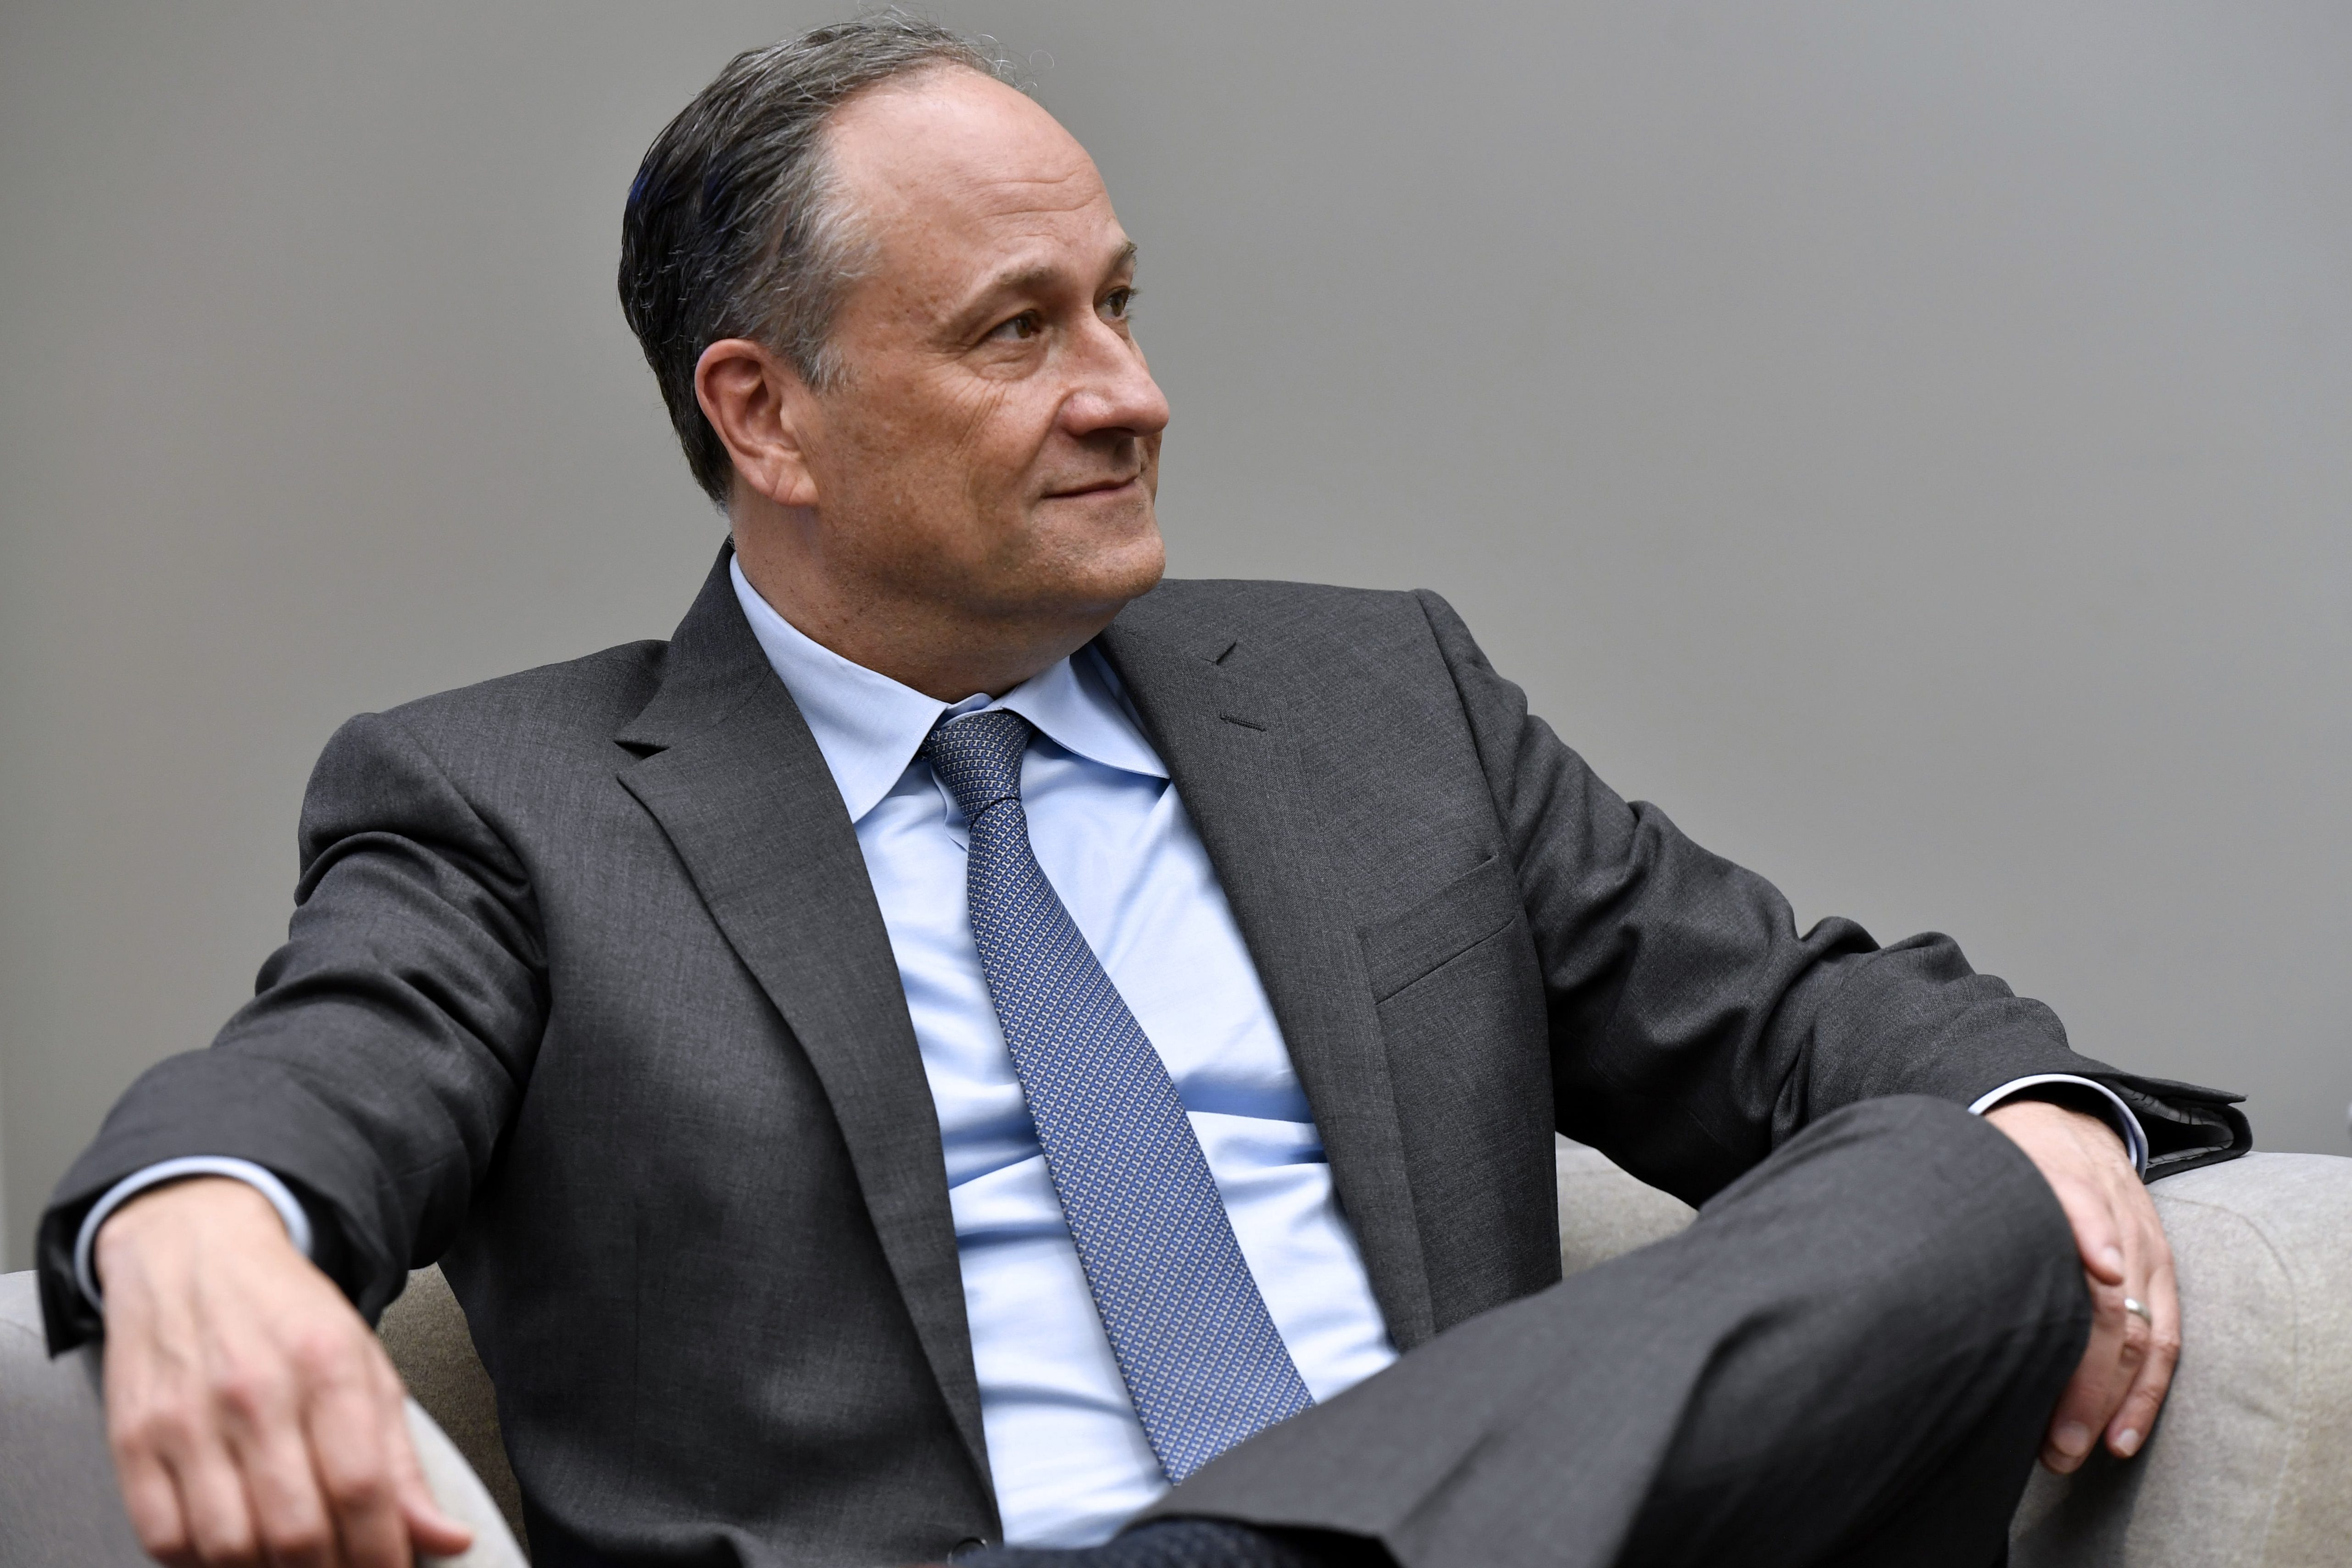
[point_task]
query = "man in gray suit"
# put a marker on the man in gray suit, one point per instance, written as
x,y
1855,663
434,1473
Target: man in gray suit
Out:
x,y
967,1035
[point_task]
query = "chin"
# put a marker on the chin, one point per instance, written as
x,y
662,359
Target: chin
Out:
x,y
1108,561
1137,567
1103,584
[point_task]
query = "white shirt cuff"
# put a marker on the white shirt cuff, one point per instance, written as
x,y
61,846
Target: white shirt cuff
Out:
x,y
2135,1138
289,1207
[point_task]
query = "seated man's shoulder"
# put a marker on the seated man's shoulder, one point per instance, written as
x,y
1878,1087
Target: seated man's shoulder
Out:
x,y
577,705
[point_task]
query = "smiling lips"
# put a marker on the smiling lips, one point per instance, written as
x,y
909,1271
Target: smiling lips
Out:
x,y
1101,487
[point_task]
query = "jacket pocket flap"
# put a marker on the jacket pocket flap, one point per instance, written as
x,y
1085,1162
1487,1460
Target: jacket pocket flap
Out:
x,y
1464,913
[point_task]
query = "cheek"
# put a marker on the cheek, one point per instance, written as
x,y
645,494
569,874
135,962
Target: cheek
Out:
x,y
918,457
941,471
995,454
970,417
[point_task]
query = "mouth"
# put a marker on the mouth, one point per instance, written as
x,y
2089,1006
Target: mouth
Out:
x,y
1099,488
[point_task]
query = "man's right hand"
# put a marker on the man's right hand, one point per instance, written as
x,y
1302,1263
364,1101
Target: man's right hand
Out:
x,y
254,1418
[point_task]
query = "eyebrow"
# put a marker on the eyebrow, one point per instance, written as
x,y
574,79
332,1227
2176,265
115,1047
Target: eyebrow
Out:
x,y
1027,279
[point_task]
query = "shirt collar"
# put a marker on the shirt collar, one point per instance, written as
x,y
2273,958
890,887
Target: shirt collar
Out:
x,y
869,726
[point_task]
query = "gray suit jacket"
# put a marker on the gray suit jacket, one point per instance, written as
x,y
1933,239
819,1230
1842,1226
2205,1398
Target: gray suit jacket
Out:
x,y
586,994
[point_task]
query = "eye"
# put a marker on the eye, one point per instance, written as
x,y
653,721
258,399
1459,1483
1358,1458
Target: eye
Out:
x,y
1019,328
1119,302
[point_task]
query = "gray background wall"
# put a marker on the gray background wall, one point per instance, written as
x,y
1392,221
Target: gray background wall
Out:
x,y
1911,443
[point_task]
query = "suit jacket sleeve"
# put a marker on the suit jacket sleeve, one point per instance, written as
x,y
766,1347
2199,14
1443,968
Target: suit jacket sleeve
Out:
x,y
1693,1028
386,1045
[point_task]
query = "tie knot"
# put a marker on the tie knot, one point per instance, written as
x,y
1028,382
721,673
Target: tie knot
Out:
x,y
978,757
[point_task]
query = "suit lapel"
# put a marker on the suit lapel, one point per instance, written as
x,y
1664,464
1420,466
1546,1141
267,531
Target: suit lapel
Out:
x,y
739,785
1221,722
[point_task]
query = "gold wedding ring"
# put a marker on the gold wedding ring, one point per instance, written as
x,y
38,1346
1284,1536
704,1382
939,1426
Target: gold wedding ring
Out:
x,y
2139,1310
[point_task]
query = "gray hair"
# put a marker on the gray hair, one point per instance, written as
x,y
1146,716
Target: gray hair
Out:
x,y
735,228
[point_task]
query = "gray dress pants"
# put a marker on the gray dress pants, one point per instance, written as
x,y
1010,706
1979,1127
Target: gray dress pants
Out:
x,y
1849,1359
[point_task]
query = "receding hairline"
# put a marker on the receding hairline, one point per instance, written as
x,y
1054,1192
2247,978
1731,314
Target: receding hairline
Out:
x,y
851,205
910,84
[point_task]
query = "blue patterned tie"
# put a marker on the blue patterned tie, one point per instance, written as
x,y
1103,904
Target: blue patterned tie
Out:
x,y
1203,1361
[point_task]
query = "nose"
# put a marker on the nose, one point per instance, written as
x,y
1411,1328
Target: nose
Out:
x,y
1112,390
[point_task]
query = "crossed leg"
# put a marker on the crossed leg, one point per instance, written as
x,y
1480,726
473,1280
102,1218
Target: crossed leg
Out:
x,y
1848,1359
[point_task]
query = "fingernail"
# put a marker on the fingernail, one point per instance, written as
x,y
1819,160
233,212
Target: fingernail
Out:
x,y
2113,1259
2126,1442
2074,1439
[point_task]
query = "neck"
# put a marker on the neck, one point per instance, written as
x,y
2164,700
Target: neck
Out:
x,y
941,649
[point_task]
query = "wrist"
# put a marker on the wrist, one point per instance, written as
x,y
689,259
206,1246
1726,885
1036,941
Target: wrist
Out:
x,y
166,1173
2021,1118
2077,1093
193,1211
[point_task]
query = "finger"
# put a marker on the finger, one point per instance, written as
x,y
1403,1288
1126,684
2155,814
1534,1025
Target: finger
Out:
x,y
183,1495
2128,1428
220,1517
351,1424
153,1504
430,1529
144,1423
2097,1238
2097,1388
289,1513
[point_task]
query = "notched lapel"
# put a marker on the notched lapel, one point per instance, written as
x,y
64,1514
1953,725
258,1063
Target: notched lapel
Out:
x,y
1220,724
739,787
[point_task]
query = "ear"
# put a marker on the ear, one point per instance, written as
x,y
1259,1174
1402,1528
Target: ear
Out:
x,y
764,413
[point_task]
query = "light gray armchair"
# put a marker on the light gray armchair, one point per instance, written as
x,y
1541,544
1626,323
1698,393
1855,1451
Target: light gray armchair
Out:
x,y
2251,1465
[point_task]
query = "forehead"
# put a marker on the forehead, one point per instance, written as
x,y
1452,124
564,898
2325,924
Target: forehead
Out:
x,y
952,171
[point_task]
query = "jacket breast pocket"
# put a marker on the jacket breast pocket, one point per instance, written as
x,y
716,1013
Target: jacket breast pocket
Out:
x,y
1409,947
1460,1000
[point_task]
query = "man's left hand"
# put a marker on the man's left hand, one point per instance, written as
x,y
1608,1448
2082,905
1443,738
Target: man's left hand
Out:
x,y
2124,1375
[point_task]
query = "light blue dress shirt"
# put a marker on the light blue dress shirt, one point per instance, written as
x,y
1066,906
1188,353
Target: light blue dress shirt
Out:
x,y
1069,1456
